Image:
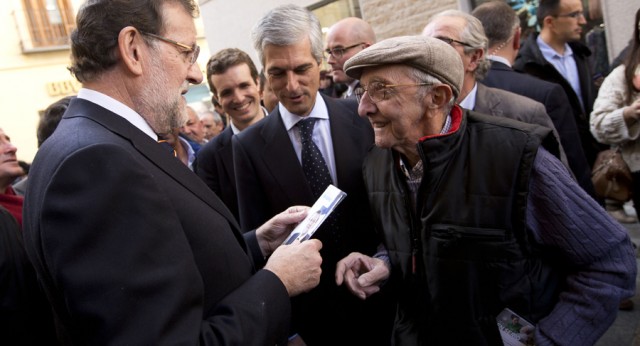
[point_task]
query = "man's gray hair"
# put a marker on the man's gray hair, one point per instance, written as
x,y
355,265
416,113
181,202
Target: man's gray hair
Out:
x,y
287,25
473,35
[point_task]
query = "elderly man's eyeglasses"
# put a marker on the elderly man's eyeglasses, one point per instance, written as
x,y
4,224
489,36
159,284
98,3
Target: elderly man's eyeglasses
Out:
x,y
191,52
339,52
574,15
450,41
378,91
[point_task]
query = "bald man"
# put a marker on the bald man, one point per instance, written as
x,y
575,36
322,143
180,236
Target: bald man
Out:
x,y
344,39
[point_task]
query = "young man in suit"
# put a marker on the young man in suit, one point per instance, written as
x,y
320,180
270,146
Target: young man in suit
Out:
x,y
234,80
270,168
557,55
130,246
502,28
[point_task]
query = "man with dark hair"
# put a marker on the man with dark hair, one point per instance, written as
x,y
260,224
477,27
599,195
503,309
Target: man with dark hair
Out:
x,y
502,28
51,117
233,78
307,143
557,55
129,244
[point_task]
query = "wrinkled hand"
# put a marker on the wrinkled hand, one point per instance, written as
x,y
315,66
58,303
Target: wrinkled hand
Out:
x,y
273,232
362,274
297,265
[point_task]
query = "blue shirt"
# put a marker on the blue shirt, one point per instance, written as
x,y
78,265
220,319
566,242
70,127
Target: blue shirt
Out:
x,y
565,64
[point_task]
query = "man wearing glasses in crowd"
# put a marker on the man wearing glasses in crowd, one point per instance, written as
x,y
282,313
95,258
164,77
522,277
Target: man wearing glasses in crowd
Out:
x,y
344,39
557,55
130,246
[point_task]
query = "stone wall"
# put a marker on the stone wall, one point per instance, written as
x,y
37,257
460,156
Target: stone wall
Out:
x,y
401,17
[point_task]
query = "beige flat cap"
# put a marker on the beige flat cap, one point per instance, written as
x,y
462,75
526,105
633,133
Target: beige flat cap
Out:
x,y
427,54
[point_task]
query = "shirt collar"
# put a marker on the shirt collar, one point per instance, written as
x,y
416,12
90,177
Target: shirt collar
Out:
x,y
499,59
550,53
469,101
119,108
319,111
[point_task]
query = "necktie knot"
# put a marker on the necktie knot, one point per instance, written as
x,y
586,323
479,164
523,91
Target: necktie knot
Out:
x,y
306,128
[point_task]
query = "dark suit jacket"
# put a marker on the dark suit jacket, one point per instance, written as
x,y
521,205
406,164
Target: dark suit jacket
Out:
x,y
215,168
133,248
269,178
25,313
506,104
555,100
531,61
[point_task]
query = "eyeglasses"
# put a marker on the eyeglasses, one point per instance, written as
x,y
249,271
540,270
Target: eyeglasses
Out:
x,y
339,52
191,52
378,91
574,15
449,41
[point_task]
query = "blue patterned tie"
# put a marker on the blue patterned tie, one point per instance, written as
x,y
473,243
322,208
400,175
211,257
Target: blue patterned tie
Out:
x,y
313,164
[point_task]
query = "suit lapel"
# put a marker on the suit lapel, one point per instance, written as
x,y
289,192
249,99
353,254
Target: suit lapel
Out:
x,y
281,160
487,102
156,154
346,144
225,154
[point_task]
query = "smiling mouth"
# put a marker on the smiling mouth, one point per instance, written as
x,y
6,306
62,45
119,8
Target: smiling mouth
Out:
x,y
242,107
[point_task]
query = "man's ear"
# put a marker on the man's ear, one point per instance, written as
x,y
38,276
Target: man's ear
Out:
x,y
476,56
516,39
441,94
130,44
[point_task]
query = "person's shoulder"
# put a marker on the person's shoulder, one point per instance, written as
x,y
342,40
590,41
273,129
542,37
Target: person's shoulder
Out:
x,y
335,105
514,100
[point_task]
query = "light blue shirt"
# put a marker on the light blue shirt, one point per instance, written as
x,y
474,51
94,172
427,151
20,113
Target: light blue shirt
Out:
x,y
191,155
565,64
469,101
321,133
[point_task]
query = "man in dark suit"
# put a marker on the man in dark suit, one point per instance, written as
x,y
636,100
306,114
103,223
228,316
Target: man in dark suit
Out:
x,y
557,56
269,174
234,80
130,246
502,28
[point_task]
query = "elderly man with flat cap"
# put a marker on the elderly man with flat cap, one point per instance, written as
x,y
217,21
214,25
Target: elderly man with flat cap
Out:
x,y
478,216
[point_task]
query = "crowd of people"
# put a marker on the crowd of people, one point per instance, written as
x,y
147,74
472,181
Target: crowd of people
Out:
x,y
465,152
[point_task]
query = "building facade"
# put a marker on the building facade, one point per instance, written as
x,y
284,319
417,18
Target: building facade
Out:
x,y
35,57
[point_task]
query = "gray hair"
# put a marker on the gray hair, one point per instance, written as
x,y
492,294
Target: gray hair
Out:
x,y
473,35
420,76
287,25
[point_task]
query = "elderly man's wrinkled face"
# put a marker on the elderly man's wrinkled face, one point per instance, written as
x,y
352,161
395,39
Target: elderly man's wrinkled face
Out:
x,y
397,114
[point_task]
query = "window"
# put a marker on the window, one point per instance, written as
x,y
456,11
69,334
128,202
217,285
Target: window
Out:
x,y
49,22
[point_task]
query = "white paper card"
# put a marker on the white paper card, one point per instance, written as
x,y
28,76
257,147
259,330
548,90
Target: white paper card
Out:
x,y
329,200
